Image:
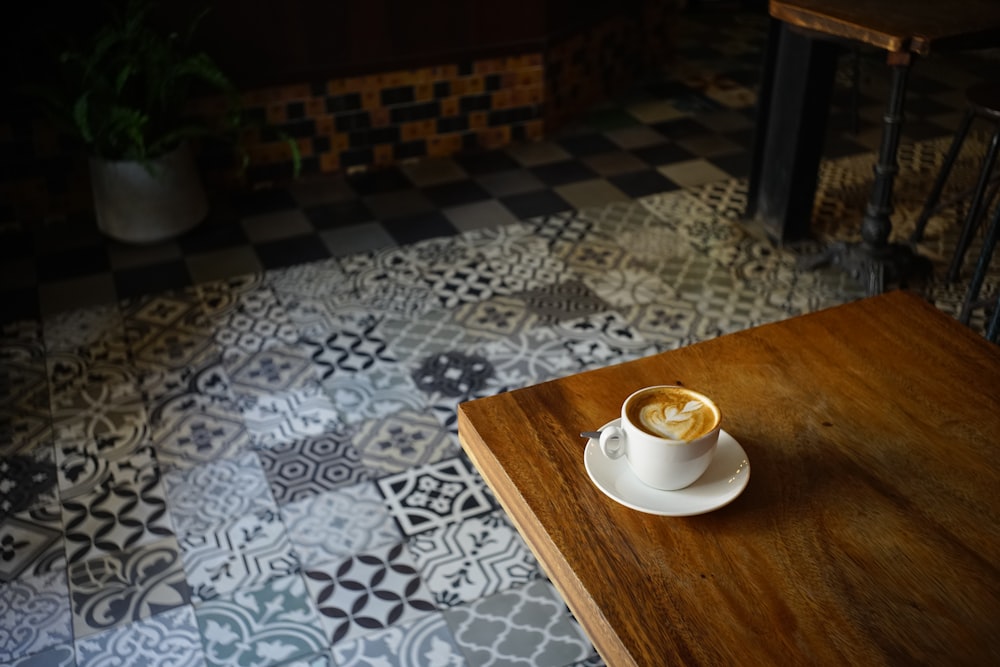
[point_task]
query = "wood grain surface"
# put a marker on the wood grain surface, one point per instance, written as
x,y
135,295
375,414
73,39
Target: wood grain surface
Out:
x,y
870,529
896,25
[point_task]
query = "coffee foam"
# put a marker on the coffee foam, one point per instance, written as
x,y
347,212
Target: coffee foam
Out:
x,y
672,412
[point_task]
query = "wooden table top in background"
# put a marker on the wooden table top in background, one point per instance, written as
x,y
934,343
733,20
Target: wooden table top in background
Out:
x,y
897,25
870,529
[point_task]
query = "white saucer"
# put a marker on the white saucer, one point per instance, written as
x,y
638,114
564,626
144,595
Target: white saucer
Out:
x,y
724,480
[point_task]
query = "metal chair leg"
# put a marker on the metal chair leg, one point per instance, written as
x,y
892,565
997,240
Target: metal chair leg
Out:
x,y
972,219
972,294
993,330
949,161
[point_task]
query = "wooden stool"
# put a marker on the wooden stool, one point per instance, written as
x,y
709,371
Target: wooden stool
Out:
x,y
984,102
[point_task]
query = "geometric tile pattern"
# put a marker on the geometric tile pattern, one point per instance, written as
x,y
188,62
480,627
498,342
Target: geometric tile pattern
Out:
x,y
263,469
528,625
369,591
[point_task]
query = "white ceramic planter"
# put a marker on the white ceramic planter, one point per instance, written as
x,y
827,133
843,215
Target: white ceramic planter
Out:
x,y
137,203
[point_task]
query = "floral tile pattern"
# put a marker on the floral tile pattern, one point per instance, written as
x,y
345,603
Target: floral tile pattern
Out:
x,y
402,440
267,625
425,641
34,615
31,542
208,495
475,558
126,586
334,524
170,637
247,551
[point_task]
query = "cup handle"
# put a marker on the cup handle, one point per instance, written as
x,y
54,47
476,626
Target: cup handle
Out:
x,y
616,434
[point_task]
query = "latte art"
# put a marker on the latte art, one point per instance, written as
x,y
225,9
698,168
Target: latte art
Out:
x,y
675,413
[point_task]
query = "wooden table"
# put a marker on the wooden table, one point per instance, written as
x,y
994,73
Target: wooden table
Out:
x,y
795,99
869,532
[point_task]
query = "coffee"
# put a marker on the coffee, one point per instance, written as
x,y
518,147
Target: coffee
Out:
x,y
675,413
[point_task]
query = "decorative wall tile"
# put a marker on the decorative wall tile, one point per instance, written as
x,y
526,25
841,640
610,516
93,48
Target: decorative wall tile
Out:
x,y
435,495
31,542
240,554
302,468
529,625
403,439
34,615
474,558
425,641
168,638
369,591
334,524
114,518
211,494
125,586
266,625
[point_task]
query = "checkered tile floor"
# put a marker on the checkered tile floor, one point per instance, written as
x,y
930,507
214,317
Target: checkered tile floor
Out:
x,y
240,447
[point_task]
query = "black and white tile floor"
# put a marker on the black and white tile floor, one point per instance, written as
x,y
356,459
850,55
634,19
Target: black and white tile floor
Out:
x,y
239,448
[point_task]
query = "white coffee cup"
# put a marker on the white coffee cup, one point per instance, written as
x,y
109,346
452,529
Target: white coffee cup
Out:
x,y
667,433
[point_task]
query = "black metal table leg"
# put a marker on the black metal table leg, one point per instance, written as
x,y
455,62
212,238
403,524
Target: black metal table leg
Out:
x,y
875,261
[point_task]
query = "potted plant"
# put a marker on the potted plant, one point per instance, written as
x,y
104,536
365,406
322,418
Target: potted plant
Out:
x,y
125,94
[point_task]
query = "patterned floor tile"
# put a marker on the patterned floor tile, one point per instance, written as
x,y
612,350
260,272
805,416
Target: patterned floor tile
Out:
x,y
368,591
34,615
31,543
374,394
168,330
527,626
299,469
263,626
286,416
334,524
403,439
85,346
170,638
349,347
58,656
474,558
85,467
101,412
245,314
114,518
435,495
425,641
27,481
194,417
209,495
243,553
126,586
